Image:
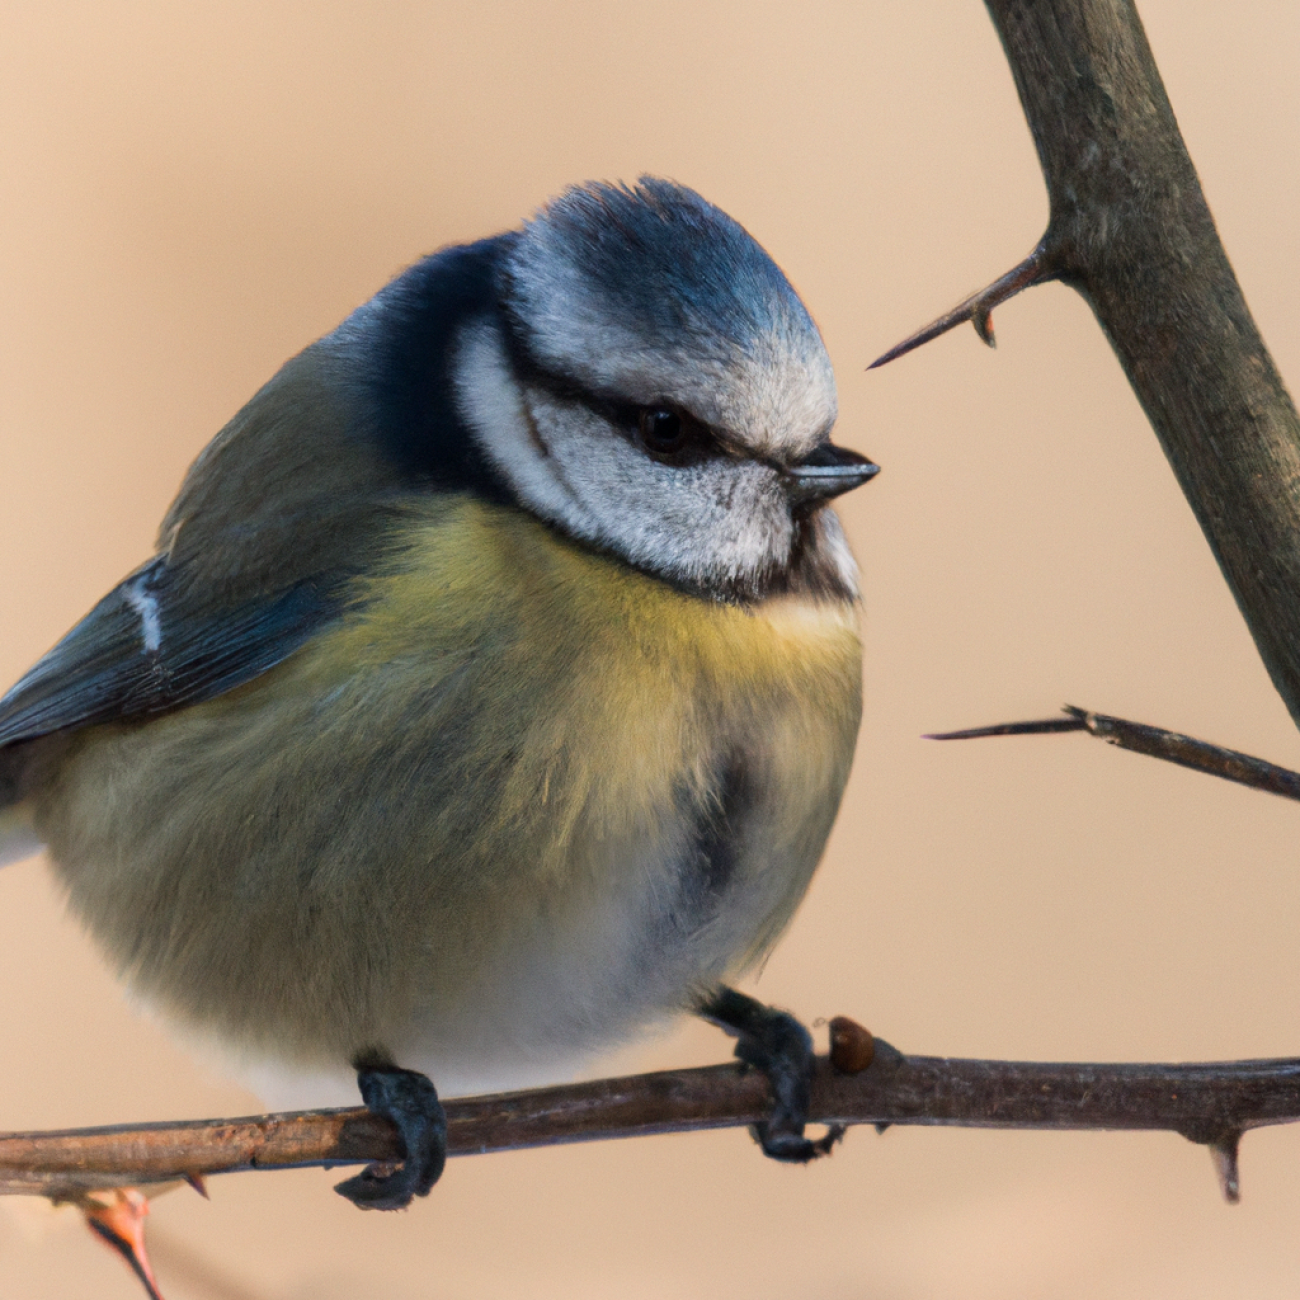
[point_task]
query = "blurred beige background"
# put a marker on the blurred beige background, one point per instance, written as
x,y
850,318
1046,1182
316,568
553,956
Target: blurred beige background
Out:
x,y
192,193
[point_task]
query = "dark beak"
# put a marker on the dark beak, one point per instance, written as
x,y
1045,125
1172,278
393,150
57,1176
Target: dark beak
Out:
x,y
825,473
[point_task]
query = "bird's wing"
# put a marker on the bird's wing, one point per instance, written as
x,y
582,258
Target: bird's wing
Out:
x,y
292,498
256,553
154,644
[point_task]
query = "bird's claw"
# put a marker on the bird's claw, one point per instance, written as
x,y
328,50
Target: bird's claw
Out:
x,y
409,1099
777,1044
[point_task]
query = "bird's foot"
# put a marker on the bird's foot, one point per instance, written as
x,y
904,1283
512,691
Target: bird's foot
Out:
x,y
410,1101
776,1043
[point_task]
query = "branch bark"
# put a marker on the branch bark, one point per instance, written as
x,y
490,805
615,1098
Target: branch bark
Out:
x,y
1211,1104
1156,742
1130,229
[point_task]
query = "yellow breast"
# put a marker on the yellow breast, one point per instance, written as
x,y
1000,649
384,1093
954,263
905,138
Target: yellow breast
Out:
x,y
608,685
475,800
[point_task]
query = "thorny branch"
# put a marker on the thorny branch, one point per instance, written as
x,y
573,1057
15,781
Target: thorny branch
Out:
x,y
1130,229
1156,742
1211,1104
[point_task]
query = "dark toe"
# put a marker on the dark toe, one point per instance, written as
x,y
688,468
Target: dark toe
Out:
x,y
794,1148
411,1102
776,1043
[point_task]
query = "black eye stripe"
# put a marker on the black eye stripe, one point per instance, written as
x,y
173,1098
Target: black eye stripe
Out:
x,y
564,387
663,431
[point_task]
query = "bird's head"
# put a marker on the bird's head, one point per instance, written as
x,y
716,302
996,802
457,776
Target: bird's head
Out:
x,y
645,378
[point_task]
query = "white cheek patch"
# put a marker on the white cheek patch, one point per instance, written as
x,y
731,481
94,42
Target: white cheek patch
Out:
x,y
725,521
492,404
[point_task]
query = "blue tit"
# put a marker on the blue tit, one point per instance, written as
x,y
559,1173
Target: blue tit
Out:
x,y
493,688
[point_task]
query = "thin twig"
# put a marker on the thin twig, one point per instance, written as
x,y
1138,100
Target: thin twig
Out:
x,y
1172,746
1210,1104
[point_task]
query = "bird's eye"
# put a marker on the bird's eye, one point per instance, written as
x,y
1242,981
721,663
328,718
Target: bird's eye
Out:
x,y
663,433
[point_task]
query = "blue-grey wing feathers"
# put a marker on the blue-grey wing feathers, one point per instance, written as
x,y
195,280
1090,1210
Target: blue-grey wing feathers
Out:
x,y
145,649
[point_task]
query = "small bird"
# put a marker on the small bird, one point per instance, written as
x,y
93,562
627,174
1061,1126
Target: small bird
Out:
x,y
493,688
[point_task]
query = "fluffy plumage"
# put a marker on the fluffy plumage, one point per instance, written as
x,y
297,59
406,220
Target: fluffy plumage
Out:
x,y
518,818
452,720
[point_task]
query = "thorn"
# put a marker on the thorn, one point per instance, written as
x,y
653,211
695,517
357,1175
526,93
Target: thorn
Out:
x,y
883,1126
978,308
1073,723
1224,1154
852,1046
196,1182
119,1223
